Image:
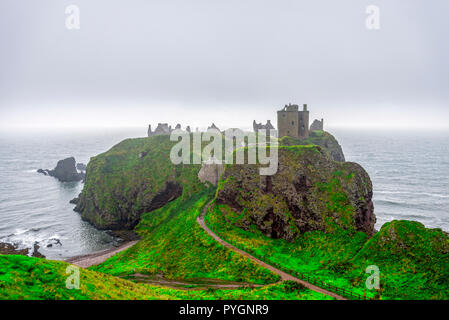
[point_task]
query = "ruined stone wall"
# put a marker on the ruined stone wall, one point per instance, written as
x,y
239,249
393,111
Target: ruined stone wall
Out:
x,y
303,124
288,124
317,125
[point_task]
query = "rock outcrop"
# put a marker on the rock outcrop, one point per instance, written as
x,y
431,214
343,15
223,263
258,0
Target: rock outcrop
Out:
x,y
65,171
81,166
136,176
310,191
7,248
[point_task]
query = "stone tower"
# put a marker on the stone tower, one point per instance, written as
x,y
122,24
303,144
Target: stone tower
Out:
x,y
292,122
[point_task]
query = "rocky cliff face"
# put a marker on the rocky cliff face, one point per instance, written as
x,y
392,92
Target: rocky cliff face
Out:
x,y
310,191
134,177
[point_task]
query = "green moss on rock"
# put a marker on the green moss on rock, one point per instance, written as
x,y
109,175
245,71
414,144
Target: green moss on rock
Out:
x,y
319,138
310,191
134,177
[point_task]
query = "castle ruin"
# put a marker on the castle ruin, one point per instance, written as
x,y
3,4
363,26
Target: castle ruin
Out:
x,y
317,125
265,128
292,122
165,129
162,128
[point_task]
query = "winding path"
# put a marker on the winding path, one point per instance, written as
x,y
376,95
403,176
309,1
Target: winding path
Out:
x,y
284,276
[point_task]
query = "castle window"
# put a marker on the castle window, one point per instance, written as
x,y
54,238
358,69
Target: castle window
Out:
x,y
293,123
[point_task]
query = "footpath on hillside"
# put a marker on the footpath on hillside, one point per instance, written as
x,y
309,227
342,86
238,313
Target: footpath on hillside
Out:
x,y
284,276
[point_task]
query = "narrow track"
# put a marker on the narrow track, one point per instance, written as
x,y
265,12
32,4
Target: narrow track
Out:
x,y
284,275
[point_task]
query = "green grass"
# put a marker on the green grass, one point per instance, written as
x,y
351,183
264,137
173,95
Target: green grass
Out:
x,y
174,244
413,260
120,185
28,278
314,253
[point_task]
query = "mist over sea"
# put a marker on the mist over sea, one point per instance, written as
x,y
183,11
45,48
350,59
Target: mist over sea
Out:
x,y
409,170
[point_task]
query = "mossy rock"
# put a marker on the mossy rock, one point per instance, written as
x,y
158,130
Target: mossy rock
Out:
x,y
320,138
134,177
310,191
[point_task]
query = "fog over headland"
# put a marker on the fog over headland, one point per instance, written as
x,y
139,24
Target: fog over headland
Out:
x,y
136,62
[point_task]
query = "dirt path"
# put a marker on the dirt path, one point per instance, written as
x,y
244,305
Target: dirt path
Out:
x,y
197,284
284,276
95,258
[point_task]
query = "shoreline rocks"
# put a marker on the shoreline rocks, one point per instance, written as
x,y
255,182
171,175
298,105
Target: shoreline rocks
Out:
x,y
65,171
81,167
8,249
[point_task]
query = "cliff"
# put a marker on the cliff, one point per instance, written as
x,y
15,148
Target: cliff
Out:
x,y
133,177
309,192
136,176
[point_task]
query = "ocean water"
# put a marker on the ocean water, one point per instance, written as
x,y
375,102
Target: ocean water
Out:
x,y
35,207
409,170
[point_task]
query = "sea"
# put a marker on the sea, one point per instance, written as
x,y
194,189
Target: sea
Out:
x,y
409,171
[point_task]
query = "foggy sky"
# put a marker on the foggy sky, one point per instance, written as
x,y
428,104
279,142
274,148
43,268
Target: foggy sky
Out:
x,y
137,62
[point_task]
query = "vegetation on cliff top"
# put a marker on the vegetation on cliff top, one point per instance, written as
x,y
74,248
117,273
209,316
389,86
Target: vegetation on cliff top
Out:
x,y
320,138
134,177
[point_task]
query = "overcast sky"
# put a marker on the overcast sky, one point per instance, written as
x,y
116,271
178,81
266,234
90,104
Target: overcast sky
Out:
x,y
137,62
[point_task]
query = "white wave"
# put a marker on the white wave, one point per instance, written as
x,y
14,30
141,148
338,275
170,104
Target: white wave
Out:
x,y
436,195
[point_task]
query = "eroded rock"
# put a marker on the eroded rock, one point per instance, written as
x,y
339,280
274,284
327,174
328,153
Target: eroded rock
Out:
x,y
65,171
309,192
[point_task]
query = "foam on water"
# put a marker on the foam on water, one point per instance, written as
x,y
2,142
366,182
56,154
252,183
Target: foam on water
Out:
x,y
35,208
